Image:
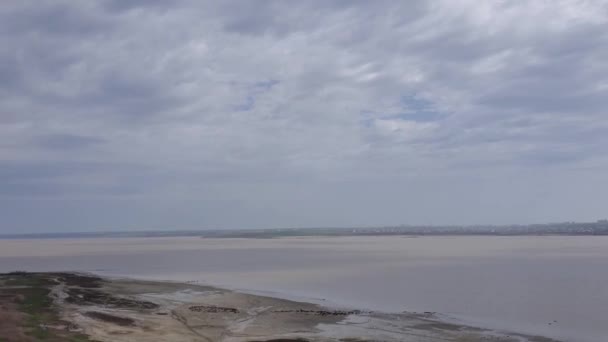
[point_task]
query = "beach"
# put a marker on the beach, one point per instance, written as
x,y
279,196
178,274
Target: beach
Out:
x,y
83,307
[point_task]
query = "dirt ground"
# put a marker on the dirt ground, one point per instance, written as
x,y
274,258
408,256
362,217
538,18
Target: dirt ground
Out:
x,y
11,320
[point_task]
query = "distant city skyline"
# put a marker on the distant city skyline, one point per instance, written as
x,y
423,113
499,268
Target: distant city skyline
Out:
x,y
148,115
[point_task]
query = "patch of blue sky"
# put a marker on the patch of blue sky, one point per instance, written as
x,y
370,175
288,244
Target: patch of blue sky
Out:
x,y
413,108
256,89
418,109
266,85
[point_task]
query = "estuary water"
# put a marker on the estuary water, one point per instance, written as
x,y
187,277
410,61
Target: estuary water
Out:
x,y
545,285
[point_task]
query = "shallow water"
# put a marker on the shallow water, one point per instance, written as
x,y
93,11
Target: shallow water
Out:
x,y
552,286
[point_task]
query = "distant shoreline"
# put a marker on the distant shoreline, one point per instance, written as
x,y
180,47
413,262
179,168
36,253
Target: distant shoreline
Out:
x,y
598,228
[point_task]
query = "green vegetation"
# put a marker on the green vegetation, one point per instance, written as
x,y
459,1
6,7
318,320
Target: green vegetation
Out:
x,y
31,292
36,300
38,305
79,338
32,281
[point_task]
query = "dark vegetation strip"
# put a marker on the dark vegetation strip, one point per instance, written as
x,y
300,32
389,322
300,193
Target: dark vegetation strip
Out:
x,y
102,316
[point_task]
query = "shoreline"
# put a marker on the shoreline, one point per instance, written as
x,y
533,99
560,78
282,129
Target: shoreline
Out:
x,y
451,318
460,319
111,309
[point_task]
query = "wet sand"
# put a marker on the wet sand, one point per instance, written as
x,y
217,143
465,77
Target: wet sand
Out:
x,y
127,310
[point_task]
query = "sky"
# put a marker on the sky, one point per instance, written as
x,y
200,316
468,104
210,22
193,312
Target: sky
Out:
x,y
148,115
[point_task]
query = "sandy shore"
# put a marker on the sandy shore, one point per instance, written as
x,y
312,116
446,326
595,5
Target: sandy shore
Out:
x,y
115,310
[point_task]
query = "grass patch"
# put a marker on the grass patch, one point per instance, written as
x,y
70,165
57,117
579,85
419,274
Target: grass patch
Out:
x,y
80,338
39,333
38,305
27,279
35,300
30,293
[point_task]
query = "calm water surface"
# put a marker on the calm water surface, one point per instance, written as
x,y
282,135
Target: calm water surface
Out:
x,y
552,286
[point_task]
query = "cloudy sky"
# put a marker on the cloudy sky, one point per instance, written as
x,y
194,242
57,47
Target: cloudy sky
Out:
x,y
118,115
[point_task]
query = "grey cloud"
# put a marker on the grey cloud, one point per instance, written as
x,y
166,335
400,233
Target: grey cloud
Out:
x,y
33,170
66,178
261,22
279,18
552,158
542,97
67,141
563,77
236,107
49,18
131,98
9,74
258,18
126,5
47,189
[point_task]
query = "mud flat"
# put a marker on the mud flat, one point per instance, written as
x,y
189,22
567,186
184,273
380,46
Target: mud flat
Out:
x,y
81,307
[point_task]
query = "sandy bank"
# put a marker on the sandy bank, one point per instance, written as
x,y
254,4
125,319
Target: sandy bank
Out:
x,y
134,310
